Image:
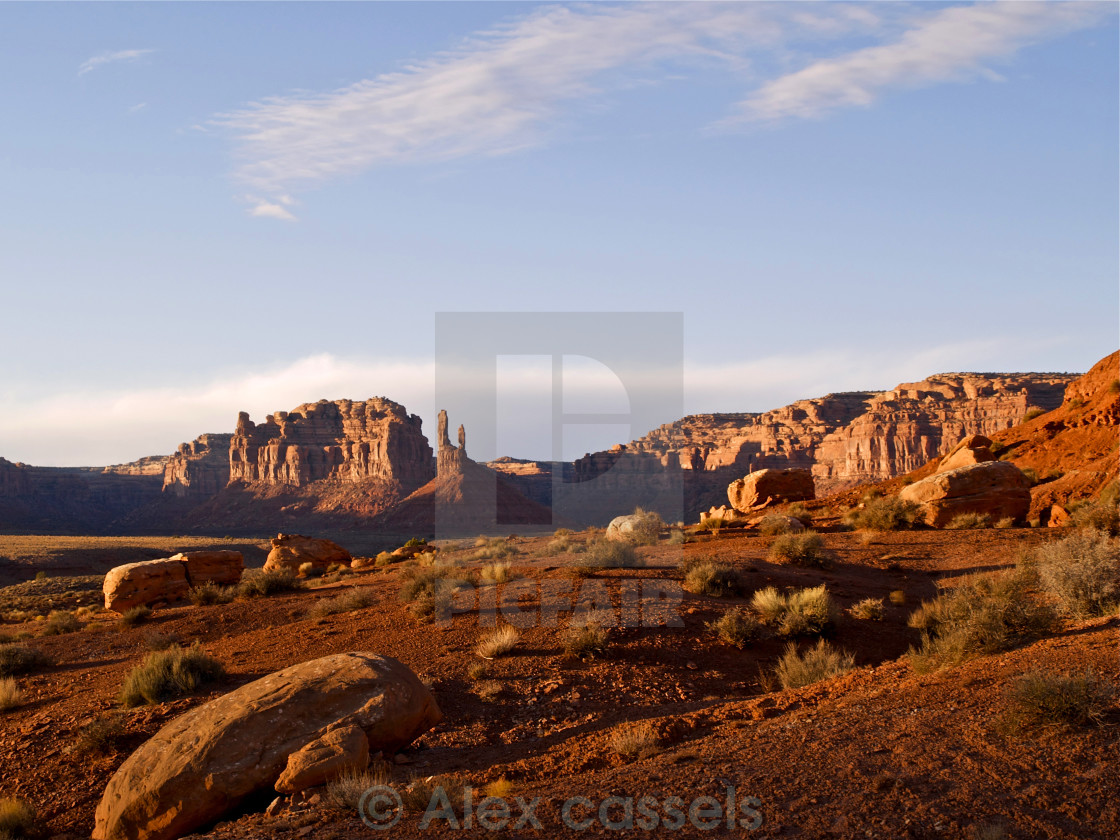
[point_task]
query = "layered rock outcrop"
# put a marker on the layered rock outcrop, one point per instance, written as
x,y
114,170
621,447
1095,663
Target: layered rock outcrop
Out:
x,y
342,440
770,487
198,469
290,551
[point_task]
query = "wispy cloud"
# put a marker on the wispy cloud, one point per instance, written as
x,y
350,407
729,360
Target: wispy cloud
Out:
x,y
139,106
272,209
950,45
504,88
111,57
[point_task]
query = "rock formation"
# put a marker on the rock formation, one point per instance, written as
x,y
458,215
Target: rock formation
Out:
x,y
290,551
343,440
975,449
170,579
769,487
205,762
198,469
993,488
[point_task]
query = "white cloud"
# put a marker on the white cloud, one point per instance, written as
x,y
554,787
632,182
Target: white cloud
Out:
x,y
139,106
100,427
949,45
505,87
271,210
111,57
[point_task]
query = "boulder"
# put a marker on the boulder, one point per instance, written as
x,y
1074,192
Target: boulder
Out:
x,y
224,567
205,762
1058,517
148,582
290,551
634,527
769,487
996,488
972,450
724,514
339,749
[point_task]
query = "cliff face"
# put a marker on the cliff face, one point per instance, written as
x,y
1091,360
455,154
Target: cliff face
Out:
x,y
342,440
199,469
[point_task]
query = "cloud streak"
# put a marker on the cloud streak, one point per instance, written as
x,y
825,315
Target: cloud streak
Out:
x,y
111,57
952,45
505,89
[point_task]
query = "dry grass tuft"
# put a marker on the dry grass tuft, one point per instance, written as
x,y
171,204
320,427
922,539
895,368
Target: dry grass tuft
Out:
x,y
209,594
1041,700
497,642
804,549
355,599
344,792
169,674
499,572
804,612
11,696
716,580
136,615
586,641
61,622
969,522
268,583
736,627
21,659
104,736
820,662
444,789
869,609
17,819
636,740
885,513
1082,572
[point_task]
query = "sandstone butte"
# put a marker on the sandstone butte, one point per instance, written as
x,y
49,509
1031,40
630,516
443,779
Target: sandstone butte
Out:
x,y
340,463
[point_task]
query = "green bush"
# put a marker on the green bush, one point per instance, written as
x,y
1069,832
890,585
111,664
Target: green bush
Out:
x,y
736,627
169,674
804,549
820,662
1059,701
1082,571
885,513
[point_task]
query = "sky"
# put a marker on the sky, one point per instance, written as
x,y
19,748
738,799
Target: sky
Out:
x,y
215,207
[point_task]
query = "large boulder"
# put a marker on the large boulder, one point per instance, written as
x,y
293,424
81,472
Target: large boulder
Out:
x,y
339,749
145,583
290,551
204,763
634,527
224,567
976,449
770,487
996,488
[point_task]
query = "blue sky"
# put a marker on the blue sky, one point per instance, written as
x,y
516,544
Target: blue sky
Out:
x,y
215,207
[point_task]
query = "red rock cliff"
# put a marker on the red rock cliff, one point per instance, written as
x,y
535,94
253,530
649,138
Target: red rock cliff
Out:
x,y
199,469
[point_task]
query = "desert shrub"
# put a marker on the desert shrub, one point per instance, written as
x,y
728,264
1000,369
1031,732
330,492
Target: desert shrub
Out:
x,y
497,642
355,599
775,524
103,736
10,694
268,583
869,609
136,615
804,549
820,662
1102,514
210,593
969,522
983,615
497,548
477,670
418,795
1058,701
636,740
586,640
60,622
21,659
884,513
415,542
609,554
429,591
1082,571
383,558
344,792
736,627
309,570
801,513
489,690
498,572
563,543
677,537
17,819
800,613
168,674
562,532
1005,522
1032,412
713,579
